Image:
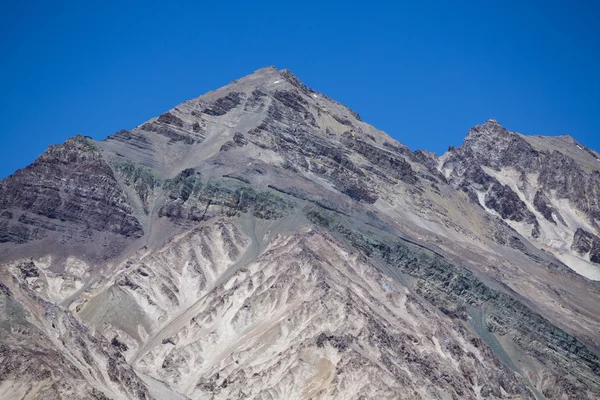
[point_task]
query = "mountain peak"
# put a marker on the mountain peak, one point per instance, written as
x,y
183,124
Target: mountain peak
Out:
x,y
264,78
260,75
269,72
489,127
491,121
291,78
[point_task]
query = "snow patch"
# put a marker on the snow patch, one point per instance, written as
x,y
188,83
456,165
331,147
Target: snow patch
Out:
x,y
582,267
481,198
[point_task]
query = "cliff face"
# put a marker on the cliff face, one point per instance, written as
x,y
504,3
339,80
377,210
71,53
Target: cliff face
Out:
x,y
261,241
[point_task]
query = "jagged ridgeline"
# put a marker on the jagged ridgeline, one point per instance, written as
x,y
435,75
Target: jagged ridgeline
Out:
x,y
263,242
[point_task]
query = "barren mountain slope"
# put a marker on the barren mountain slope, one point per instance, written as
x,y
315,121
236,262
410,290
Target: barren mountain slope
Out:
x,y
547,188
261,241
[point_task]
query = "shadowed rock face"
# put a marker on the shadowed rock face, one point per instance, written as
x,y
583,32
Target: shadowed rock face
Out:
x,y
263,242
224,104
585,243
505,202
69,188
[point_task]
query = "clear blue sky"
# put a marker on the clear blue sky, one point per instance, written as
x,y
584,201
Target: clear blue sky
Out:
x,y
425,73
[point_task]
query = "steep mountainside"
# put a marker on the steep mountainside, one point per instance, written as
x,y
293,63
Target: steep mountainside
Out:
x,y
547,188
262,242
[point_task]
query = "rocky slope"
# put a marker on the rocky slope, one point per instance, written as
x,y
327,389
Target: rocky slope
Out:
x,y
547,188
263,242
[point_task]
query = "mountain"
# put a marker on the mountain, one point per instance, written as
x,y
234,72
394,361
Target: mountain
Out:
x,y
263,242
546,188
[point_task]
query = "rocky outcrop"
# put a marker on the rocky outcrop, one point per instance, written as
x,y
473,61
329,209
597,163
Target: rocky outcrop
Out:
x,y
503,200
170,119
131,139
192,199
390,165
142,180
568,180
239,140
544,206
224,104
70,188
165,130
585,243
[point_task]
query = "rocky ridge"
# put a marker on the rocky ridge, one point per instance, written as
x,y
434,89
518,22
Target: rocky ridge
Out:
x,y
547,189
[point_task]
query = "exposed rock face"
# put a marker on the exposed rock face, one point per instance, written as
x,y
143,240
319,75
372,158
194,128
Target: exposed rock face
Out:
x,y
263,242
69,189
532,182
224,104
507,203
47,353
189,198
544,206
585,243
